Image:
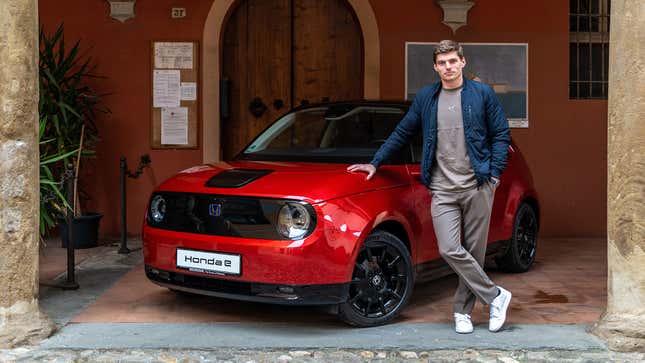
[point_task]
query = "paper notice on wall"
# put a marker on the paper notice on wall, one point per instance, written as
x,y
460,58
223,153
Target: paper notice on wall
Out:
x,y
188,91
174,126
166,88
174,55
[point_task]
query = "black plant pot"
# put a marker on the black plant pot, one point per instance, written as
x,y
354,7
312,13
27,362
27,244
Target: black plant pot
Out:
x,y
85,230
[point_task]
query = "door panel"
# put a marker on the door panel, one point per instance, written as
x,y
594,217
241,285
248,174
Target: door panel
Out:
x,y
327,52
257,61
269,60
286,51
428,249
236,71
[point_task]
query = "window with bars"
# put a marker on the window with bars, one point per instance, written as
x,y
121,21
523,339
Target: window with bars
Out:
x,y
588,48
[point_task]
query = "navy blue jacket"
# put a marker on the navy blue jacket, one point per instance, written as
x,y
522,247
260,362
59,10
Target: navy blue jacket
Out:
x,y
485,127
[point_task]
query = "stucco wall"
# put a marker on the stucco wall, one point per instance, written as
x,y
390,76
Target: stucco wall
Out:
x,y
565,145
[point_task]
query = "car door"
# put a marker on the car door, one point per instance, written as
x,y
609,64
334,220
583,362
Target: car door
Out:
x,y
426,240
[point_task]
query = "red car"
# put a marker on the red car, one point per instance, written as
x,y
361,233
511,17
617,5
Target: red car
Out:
x,y
285,223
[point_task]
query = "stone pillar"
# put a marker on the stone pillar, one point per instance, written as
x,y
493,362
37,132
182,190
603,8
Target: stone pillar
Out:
x,y
623,324
21,321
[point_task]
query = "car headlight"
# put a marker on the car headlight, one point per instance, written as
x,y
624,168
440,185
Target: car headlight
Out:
x,y
158,208
294,220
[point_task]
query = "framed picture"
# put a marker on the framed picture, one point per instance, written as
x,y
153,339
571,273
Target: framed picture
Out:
x,y
503,66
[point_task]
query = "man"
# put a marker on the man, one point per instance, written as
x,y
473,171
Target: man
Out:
x,y
466,138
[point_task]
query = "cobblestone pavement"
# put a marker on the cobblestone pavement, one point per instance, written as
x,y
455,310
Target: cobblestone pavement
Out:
x,y
327,355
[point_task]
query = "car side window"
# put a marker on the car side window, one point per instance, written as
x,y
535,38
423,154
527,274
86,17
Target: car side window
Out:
x,y
365,128
345,132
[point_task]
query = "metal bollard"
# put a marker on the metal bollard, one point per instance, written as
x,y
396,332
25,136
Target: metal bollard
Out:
x,y
70,283
143,163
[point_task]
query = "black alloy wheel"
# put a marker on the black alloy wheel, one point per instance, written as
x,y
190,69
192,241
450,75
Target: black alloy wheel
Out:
x,y
382,281
520,253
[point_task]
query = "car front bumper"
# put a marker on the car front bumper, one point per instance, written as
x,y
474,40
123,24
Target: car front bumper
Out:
x,y
324,294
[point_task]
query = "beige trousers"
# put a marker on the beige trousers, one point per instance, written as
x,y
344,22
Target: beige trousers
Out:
x,y
461,221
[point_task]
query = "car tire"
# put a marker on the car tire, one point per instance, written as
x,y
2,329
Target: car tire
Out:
x,y
521,248
381,288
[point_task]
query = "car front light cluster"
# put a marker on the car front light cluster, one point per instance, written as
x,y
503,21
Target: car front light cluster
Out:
x,y
294,220
158,208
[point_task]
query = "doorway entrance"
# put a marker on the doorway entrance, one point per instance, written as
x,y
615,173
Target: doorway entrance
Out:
x,y
279,54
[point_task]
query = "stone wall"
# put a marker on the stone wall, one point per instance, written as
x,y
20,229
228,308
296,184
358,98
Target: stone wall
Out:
x,y
20,319
623,324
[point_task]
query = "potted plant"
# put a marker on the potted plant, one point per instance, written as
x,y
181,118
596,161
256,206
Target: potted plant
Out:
x,y
67,107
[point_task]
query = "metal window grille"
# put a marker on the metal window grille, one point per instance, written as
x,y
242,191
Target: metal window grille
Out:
x,y
588,48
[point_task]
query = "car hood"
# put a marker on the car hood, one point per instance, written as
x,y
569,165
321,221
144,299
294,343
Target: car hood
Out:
x,y
311,182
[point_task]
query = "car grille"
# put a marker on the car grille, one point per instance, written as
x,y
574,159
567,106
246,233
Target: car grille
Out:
x,y
219,215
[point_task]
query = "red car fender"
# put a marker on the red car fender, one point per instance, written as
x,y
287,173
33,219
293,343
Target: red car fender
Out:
x,y
358,215
517,195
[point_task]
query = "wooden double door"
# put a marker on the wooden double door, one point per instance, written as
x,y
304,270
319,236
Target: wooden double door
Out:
x,y
278,54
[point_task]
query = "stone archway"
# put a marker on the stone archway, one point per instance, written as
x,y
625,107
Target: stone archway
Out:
x,y
211,64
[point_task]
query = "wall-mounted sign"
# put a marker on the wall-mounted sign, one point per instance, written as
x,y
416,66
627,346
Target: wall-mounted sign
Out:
x,y
122,10
173,55
178,13
175,101
503,66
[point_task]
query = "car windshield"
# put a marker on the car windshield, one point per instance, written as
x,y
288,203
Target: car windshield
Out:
x,y
337,133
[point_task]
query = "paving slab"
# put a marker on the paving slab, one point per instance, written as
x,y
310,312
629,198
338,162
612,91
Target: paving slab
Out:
x,y
416,336
95,274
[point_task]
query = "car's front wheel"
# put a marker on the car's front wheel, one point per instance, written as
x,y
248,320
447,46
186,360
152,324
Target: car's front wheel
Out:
x,y
382,281
520,252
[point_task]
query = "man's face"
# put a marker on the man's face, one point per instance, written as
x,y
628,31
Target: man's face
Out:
x,y
449,66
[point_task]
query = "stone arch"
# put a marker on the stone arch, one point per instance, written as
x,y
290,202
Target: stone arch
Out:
x,y
211,49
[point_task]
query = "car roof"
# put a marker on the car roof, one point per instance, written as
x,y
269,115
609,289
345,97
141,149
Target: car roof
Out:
x,y
357,103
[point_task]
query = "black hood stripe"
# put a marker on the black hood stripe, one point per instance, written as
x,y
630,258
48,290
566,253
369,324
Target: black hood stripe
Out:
x,y
236,178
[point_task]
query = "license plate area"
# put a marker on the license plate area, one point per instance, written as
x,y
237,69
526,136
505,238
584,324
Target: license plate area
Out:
x,y
215,263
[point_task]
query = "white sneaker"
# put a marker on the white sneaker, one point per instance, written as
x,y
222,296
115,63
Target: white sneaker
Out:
x,y
498,309
463,325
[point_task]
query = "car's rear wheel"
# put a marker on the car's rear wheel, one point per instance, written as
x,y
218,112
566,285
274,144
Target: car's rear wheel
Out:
x,y
382,281
520,253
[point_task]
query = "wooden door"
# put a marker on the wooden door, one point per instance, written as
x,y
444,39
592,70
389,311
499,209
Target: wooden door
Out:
x,y
278,54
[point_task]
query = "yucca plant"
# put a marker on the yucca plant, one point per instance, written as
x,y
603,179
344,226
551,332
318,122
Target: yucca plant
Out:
x,y
67,107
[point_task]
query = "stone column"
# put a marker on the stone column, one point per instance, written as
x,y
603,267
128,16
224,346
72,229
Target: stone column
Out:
x,y
623,324
21,321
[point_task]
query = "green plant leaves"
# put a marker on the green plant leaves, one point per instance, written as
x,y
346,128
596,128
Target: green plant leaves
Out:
x,y
66,103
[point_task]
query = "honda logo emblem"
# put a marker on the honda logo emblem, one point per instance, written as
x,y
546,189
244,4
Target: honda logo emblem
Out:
x,y
215,209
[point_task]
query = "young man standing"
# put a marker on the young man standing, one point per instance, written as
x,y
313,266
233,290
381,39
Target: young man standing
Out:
x,y
466,138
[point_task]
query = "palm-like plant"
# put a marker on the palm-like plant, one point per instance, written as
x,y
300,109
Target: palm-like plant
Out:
x,y
68,106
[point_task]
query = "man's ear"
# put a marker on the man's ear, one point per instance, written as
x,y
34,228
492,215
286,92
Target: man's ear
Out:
x,y
464,60
434,65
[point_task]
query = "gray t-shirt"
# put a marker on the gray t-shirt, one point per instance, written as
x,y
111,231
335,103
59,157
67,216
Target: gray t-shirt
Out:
x,y
451,170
